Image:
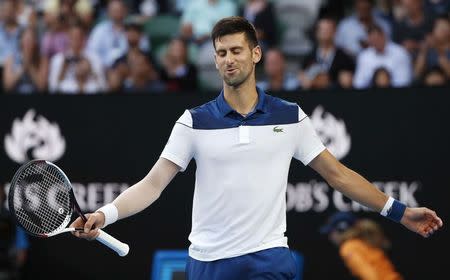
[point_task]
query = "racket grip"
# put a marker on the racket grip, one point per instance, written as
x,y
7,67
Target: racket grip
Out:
x,y
119,247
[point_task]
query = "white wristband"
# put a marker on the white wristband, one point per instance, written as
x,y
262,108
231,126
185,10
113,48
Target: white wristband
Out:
x,y
111,213
387,206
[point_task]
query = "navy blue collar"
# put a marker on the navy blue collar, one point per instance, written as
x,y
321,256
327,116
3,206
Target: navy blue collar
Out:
x,y
225,108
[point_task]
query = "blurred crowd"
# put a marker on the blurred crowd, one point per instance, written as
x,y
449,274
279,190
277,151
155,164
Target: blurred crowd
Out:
x,y
160,46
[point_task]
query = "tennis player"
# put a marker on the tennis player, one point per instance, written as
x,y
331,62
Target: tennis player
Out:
x,y
243,142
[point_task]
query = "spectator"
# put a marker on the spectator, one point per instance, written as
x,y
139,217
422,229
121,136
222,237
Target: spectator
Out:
x,y
434,77
143,10
76,70
382,53
108,39
385,9
411,31
24,72
327,59
26,14
13,244
177,73
437,7
121,67
56,38
277,78
84,13
435,50
9,32
262,15
143,77
351,32
381,78
199,17
362,246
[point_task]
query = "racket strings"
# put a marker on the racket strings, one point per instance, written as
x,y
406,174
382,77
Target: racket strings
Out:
x,y
42,203
32,206
46,219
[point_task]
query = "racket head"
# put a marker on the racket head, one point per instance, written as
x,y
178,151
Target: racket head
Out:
x,y
41,198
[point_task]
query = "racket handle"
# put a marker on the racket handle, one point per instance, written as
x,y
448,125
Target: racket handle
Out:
x,y
119,247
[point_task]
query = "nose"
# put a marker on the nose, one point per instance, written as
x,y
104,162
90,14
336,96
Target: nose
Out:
x,y
229,58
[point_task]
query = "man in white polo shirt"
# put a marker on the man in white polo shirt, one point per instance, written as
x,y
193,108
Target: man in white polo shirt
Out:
x,y
243,142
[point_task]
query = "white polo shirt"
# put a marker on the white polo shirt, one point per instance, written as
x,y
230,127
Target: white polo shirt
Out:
x,y
242,169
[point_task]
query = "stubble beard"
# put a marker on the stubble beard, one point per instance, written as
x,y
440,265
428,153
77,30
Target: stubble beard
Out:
x,y
237,81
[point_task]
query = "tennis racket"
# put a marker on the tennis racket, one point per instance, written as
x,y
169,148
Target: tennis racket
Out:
x,y
42,201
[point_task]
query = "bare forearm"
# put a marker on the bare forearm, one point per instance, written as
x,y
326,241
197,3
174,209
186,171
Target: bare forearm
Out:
x,y
136,198
347,181
359,189
145,192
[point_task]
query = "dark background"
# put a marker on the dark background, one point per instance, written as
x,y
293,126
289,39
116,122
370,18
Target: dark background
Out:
x,y
397,135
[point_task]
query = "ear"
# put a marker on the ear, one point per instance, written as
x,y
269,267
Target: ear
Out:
x,y
256,54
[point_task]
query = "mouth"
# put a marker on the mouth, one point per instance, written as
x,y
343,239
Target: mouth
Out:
x,y
231,71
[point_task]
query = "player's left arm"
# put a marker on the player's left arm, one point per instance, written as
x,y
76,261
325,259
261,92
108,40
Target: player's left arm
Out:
x,y
420,220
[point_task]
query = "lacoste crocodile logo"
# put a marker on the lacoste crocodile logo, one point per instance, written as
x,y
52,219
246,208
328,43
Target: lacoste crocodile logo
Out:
x,y
278,129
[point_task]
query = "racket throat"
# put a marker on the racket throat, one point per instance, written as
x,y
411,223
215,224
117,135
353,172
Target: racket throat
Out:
x,y
69,229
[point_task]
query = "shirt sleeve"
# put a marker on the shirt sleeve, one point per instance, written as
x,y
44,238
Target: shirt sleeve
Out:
x,y
56,64
308,145
402,75
363,72
180,146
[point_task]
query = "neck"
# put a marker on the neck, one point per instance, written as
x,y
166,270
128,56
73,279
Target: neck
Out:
x,y
77,52
326,47
139,81
117,25
366,20
134,49
242,98
381,49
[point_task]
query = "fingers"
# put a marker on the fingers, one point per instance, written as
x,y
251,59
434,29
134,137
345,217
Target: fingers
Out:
x,y
89,223
91,235
434,223
428,232
435,220
90,231
78,223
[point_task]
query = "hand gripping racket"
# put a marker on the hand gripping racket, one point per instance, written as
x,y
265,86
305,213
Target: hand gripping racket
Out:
x,y
41,200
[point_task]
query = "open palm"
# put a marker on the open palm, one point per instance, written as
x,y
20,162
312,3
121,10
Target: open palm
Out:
x,y
421,220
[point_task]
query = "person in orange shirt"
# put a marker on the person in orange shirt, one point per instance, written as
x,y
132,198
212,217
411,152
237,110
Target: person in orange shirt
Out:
x,y
362,246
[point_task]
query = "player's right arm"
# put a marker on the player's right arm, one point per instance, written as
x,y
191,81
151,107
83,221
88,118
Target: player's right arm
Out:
x,y
175,157
133,200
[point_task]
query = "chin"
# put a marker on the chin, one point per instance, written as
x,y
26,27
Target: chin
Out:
x,y
234,83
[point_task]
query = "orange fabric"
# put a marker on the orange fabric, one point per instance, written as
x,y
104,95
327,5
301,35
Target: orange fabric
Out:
x,y
367,262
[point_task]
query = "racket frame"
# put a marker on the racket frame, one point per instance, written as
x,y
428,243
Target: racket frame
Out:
x,y
120,248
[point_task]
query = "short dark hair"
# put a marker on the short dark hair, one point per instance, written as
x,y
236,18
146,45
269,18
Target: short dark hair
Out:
x,y
375,28
233,25
441,17
330,18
